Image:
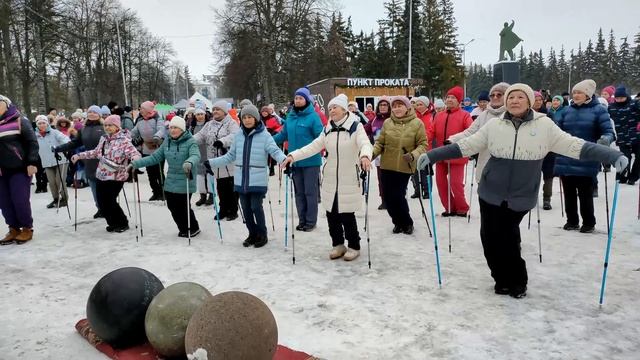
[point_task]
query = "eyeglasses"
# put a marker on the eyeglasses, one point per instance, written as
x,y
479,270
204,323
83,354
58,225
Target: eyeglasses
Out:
x,y
495,96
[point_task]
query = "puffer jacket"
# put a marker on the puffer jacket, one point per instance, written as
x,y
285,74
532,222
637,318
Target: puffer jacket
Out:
x,y
176,152
249,152
340,173
224,130
626,117
447,123
151,131
52,137
300,129
114,152
18,143
89,137
480,121
400,135
517,148
588,121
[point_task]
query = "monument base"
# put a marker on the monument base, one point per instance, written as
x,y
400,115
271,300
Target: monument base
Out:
x,y
507,71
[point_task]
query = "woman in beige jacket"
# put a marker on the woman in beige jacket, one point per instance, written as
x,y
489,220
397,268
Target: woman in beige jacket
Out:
x,y
348,149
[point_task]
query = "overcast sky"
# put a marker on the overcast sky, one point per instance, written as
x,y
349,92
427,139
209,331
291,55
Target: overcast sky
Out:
x,y
540,25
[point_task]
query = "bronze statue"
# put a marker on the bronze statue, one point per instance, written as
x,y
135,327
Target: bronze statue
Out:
x,y
508,41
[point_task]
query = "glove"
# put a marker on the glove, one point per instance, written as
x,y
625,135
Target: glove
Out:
x,y
207,167
621,164
606,168
53,149
186,167
55,153
157,141
604,141
423,161
137,141
218,144
447,142
408,157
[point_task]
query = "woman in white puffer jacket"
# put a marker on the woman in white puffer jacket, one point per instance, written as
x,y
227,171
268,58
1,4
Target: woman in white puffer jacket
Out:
x,y
347,146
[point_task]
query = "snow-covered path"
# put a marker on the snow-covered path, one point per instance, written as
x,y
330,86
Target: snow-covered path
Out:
x,y
340,310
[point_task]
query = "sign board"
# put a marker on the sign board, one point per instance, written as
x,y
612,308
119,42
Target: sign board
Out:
x,y
364,82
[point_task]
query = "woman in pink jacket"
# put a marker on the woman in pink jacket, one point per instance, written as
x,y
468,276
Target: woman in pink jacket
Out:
x,y
114,151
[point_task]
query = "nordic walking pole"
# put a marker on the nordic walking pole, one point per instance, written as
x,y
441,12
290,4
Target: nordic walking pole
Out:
x,y
606,197
286,211
561,196
135,206
293,229
366,177
215,207
135,180
75,206
280,188
188,176
126,201
424,214
609,237
63,188
473,179
273,225
529,225
164,200
435,232
449,200
539,229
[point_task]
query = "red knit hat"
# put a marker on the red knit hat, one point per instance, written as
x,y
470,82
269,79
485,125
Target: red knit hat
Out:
x,y
456,92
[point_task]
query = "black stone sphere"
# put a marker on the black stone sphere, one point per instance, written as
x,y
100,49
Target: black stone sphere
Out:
x,y
118,303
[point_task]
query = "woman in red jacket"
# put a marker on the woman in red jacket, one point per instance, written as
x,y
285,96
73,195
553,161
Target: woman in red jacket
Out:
x,y
445,124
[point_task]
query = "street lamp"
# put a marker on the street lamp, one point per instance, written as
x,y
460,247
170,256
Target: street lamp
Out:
x,y
464,64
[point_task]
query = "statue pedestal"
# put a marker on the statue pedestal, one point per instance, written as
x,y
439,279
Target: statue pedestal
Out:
x,y
507,71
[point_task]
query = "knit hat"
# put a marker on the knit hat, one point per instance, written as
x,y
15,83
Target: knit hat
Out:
x,y
467,99
94,108
587,86
484,96
439,103
340,100
113,120
222,105
524,88
178,122
41,118
250,110
306,94
104,110
456,92
6,100
77,115
610,89
559,97
501,87
424,100
244,103
265,109
199,111
189,110
621,91
537,94
403,99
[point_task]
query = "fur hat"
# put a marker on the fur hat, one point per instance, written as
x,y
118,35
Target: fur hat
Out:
x,y
113,120
587,87
340,100
178,122
524,88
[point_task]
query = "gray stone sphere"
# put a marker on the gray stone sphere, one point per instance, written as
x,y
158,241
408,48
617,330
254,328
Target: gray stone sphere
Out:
x,y
233,326
168,316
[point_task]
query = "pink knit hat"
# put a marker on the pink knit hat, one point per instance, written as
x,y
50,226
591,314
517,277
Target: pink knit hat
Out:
x,y
405,100
113,120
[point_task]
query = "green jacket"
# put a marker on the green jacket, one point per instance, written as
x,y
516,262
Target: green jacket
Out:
x,y
176,152
397,135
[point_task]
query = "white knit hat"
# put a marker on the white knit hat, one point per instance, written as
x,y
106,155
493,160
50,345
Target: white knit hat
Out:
x,y
424,100
178,122
340,100
587,86
42,118
524,88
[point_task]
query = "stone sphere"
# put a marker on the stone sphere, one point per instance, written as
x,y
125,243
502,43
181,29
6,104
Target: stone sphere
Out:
x,y
233,326
169,314
118,303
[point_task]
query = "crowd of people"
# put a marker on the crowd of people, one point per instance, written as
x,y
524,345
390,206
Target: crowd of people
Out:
x,y
516,137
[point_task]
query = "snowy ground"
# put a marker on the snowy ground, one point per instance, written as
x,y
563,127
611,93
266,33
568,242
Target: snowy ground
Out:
x,y
340,310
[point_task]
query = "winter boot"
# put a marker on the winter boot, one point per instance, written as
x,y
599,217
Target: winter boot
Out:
x,y
587,229
570,227
231,217
383,206
98,214
53,204
415,195
501,289
408,230
202,201
209,200
518,292
261,240
249,241
25,235
351,254
63,203
337,252
546,204
397,229
10,237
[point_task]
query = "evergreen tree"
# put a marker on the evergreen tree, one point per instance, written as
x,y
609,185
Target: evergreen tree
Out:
x,y
552,73
589,61
563,73
609,75
635,72
384,57
600,63
624,64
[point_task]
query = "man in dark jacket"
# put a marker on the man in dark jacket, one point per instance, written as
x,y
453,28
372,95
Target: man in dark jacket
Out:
x,y
89,137
626,117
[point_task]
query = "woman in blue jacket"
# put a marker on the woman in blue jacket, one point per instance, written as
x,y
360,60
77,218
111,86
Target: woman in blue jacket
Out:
x,y
586,119
249,152
302,126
